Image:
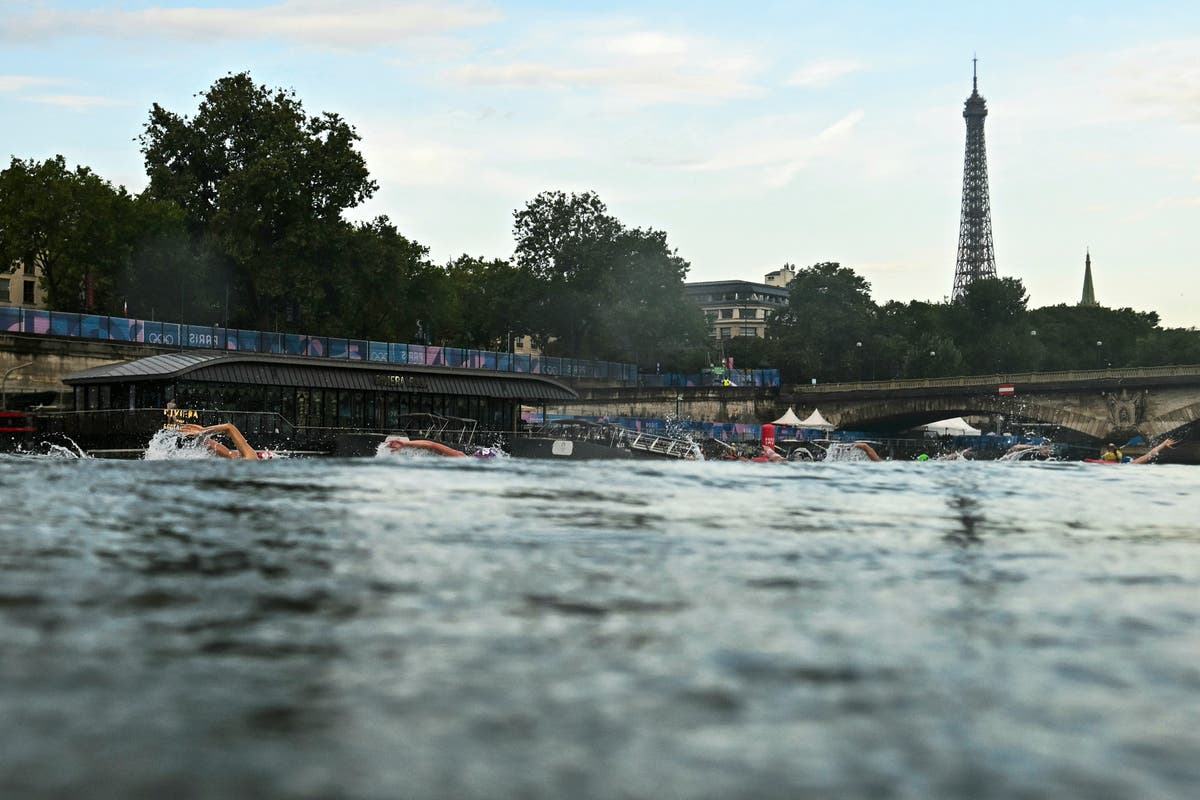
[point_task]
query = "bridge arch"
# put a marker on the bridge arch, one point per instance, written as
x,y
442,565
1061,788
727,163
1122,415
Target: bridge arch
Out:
x,y
903,413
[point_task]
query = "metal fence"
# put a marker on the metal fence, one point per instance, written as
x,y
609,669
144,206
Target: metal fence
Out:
x,y
170,334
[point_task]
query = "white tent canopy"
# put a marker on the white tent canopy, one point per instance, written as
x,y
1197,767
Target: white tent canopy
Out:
x,y
951,427
815,420
790,419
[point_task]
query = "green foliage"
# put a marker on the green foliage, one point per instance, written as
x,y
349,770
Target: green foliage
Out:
x,y
604,290
496,300
73,223
370,289
263,185
829,311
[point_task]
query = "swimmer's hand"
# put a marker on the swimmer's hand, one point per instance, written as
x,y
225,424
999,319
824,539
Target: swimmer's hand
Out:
x,y
190,429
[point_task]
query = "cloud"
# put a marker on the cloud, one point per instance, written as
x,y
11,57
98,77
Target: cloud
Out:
x,y
349,23
780,156
1179,202
823,73
19,83
75,102
1160,80
633,67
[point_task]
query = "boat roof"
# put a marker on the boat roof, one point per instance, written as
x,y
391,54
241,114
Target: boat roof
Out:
x,y
216,366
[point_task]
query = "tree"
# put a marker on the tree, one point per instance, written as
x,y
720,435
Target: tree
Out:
x,y
73,223
606,291
496,301
370,283
829,310
991,326
263,184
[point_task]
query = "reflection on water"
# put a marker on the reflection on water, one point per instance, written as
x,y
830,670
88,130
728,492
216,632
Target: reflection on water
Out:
x,y
436,628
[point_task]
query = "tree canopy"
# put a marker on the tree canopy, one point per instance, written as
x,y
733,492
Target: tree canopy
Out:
x,y
72,223
264,186
606,290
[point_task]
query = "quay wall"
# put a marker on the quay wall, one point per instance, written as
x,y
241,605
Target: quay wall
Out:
x,y
52,359
711,404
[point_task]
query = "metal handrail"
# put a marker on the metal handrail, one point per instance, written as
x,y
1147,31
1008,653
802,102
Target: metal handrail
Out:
x,y
1003,378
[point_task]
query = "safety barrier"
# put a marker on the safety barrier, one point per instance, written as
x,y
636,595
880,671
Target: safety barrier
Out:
x,y
170,334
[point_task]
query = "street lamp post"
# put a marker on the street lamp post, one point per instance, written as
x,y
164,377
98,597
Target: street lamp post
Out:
x,y
4,384
1099,355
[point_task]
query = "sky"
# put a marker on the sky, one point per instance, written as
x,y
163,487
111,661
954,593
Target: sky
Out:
x,y
753,134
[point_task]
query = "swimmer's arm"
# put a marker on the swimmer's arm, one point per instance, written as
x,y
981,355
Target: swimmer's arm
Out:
x,y
870,451
243,448
1154,451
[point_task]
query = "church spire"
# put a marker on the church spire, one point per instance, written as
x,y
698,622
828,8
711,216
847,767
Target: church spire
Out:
x,y
1089,292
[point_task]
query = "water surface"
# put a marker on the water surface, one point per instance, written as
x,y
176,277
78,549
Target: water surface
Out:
x,y
423,628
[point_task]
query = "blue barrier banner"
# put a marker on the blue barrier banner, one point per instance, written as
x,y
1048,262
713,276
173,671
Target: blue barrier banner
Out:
x,y
317,346
92,327
199,336
35,321
63,324
118,329
168,334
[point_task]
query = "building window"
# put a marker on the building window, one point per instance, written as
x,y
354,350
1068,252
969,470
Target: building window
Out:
x,y
3,290
748,313
726,333
29,292
726,313
749,331
711,316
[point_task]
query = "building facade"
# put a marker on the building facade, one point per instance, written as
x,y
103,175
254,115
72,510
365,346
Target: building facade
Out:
x,y
20,287
741,308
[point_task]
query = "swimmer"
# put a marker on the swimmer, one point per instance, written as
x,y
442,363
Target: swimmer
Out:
x,y
1153,452
866,448
398,443
1144,458
242,448
1019,452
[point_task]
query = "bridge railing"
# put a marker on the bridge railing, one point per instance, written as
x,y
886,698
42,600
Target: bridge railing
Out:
x,y
1014,378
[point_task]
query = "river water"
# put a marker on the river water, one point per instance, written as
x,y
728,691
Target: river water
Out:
x,y
425,628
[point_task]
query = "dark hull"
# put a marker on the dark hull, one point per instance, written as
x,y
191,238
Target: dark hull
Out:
x,y
538,447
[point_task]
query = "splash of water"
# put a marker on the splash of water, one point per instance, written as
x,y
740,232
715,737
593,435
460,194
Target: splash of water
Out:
x,y
63,447
844,451
680,428
169,445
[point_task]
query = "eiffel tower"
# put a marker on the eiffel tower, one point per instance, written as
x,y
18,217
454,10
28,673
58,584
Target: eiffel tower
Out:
x,y
976,258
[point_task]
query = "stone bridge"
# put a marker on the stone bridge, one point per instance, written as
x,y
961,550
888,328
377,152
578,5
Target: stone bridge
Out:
x,y
1099,404
1091,404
